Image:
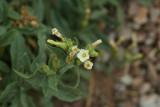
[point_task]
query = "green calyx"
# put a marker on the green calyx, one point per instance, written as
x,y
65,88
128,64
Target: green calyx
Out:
x,y
92,51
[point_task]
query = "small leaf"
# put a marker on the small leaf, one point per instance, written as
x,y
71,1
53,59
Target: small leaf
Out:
x,y
17,51
45,87
66,93
26,76
39,68
46,68
65,68
52,81
35,80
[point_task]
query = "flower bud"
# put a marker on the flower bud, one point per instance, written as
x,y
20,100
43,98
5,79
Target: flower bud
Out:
x,y
96,43
75,49
56,33
71,55
54,30
62,45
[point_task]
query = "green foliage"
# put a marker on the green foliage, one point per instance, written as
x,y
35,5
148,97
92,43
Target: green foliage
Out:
x,y
30,67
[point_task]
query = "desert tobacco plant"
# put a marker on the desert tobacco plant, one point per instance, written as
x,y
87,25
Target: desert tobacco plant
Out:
x,y
28,69
48,77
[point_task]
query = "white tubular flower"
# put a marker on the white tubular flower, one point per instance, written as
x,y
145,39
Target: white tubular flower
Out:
x,y
96,43
83,55
54,30
88,64
58,34
75,49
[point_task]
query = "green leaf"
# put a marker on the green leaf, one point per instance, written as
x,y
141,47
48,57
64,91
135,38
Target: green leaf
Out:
x,y
17,51
45,87
46,68
98,13
3,29
26,62
59,53
39,68
35,80
66,93
8,37
26,76
39,9
9,92
26,100
15,102
4,67
3,10
23,99
52,82
41,58
65,68
51,61
13,15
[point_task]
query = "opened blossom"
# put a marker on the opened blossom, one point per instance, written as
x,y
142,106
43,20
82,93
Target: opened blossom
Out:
x,y
88,64
83,55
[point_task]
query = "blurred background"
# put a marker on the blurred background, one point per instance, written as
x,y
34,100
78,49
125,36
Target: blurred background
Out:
x,y
127,72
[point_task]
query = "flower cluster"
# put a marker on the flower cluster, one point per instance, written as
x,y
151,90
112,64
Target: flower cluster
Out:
x,y
76,55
